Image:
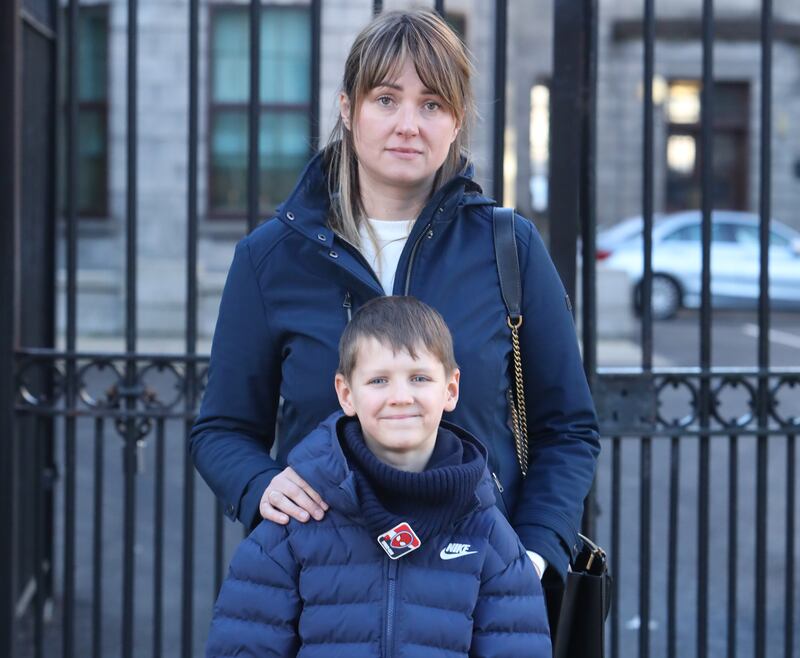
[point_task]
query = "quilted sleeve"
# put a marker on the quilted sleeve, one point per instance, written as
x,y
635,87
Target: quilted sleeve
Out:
x,y
258,607
509,620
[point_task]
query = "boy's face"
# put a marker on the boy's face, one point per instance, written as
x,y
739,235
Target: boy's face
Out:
x,y
399,401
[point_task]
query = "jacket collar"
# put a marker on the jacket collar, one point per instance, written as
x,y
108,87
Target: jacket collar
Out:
x,y
320,461
306,208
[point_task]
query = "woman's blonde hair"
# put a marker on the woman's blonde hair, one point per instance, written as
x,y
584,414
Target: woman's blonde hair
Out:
x,y
442,63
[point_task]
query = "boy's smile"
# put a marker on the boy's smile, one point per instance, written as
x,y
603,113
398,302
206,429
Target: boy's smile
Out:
x,y
399,401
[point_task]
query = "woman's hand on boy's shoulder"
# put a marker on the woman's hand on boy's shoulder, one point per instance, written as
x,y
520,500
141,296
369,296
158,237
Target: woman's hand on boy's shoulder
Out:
x,y
289,495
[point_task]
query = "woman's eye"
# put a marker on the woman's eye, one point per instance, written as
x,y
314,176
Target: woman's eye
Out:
x,y
386,101
432,106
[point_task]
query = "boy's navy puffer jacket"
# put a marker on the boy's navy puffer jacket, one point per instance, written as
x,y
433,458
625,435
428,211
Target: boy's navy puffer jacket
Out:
x,y
289,293
327,589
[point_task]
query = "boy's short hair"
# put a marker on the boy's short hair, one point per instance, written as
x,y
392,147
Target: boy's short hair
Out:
x,y
402,323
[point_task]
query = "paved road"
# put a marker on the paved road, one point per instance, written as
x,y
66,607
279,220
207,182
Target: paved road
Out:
x,y
676,343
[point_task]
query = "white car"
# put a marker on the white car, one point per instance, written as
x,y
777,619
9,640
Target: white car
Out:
x,y
677,260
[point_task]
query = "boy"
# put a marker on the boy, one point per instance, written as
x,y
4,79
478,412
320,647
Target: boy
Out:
x,y
413,558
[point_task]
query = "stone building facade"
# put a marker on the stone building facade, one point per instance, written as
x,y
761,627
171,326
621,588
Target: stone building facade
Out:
x,y
163,110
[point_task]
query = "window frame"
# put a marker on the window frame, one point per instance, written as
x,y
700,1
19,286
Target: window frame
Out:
x,y
214,108
740,129
102,213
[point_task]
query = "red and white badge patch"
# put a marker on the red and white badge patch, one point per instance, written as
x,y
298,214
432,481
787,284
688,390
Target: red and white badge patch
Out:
x,y
399,541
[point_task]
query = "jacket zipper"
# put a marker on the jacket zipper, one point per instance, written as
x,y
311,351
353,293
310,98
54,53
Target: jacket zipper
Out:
x,y
497,482
388,645
500,489
347,304
422,234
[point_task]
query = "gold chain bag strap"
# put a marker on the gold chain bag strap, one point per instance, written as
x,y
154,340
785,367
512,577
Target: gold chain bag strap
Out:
x,y
507,259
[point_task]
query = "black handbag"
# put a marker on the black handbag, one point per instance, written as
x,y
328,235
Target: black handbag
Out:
x,y
585,606
577,611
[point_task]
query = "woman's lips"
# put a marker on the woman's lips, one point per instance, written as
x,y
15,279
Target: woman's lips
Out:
x,y
403,153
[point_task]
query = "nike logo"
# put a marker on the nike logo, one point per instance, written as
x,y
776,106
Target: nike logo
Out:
x,y
455,550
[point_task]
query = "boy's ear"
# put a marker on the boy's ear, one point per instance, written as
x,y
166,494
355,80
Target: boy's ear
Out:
x,y
452,390
345,395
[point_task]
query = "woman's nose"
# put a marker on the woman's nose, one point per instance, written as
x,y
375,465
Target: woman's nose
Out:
x,y
407,120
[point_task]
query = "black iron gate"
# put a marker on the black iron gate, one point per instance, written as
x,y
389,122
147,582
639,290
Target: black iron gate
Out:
x,y
80,431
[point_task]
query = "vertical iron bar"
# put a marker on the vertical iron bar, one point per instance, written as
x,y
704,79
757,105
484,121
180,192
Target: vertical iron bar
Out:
x,y
188,544
438,7
789,586
191,203
765,210
131,437
499,113
69,535
158,541
316,50
646,289
587,209
187,576
97,541
645,506
572,25
733,538
377,7
707,195
38,537
588,224
254,116
72,176
647,326
672,548
616,476
10,170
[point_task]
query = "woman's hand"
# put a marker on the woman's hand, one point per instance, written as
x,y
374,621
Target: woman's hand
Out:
x,y
288,495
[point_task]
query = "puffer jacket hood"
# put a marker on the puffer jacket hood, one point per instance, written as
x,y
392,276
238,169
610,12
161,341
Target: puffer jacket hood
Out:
x,y
320,461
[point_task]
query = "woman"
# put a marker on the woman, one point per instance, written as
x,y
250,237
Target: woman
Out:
x,y
390,207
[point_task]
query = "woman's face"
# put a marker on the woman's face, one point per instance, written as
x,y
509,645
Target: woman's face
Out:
x,y
402,132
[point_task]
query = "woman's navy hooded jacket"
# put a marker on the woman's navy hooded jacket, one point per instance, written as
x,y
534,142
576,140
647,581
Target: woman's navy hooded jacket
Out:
x,y
327,589
293,285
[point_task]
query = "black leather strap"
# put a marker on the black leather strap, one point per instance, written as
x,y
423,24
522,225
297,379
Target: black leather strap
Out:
x,y
507,259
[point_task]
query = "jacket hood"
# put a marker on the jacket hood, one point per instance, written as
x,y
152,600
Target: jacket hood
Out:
x,y
320,461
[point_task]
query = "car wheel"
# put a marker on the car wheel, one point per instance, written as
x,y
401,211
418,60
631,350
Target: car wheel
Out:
x,y
665,299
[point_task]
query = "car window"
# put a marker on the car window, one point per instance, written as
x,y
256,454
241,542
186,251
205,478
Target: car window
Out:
x,y
692,233
688,233
748,235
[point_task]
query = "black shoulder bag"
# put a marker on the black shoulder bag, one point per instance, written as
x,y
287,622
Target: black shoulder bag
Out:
x,y
577,612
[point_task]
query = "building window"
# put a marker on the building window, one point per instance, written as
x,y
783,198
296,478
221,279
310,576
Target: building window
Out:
x,y
731,110
458,23
285,91
539,136
92,145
